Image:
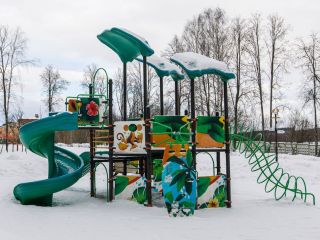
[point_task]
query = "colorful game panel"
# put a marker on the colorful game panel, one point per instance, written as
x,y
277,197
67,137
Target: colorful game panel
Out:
x,y
72,106
129,137
166,125
211,191
210,132
91,110
179,181
131,188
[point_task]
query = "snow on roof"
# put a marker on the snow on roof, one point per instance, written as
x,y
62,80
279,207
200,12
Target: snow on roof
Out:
x,y
196,65
163,67
29,118
132,34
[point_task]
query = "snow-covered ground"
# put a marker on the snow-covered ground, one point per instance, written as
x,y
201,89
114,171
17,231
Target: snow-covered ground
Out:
x,y
75,215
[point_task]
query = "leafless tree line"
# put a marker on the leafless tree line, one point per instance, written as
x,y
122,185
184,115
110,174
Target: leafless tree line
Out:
x,y
260,53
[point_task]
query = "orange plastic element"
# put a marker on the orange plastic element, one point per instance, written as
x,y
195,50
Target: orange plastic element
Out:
x,y
72,106
205,141
132,179
139,127
176,148
159,138
212,178
126,127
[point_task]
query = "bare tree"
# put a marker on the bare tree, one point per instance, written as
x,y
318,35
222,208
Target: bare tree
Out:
x,y
53,85
254,48
279,56
241,85
206,34
100,80
176,45
135,90
13,55
308,54
118,91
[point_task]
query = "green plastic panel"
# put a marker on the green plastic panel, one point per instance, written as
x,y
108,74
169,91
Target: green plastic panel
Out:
x,y
126,44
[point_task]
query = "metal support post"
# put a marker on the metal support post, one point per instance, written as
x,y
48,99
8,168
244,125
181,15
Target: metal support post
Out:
x,y
193,126
161,96
228,179
111,137
176,94
124,91
276,133
91,153
218,164
148,160
145,92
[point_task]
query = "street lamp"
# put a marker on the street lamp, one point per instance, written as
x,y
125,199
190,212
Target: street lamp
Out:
x,y
275,112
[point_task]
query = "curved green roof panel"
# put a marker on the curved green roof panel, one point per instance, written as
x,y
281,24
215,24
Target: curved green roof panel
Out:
x,y
196,65
126,44
162,67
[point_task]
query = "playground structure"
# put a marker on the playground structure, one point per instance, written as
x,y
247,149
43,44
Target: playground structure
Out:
x,y
154,154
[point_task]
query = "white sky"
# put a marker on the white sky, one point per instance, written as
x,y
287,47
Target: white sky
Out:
x,y
63,33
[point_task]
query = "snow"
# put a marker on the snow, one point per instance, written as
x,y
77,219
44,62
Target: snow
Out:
x,y
163,67
75,215
195,61
141,39
196,65
13,157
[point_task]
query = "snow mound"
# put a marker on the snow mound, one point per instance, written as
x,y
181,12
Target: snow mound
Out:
x,y
13,157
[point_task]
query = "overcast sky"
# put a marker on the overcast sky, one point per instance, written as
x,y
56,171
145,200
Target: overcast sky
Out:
x,y
63,33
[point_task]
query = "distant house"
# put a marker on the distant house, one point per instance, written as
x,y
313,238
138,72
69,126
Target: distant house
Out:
x,y
13,129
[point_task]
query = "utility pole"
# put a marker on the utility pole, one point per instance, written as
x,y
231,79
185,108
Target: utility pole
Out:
x,y
275,112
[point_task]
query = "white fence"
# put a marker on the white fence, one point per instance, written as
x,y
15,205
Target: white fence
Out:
x,y
291,148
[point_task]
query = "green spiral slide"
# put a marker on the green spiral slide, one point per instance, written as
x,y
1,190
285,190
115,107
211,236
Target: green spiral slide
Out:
x,y
64,168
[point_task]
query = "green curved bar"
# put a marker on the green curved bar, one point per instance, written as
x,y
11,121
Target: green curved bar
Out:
x,y
126,44
274,177
94,79
65,168
196,65
163,68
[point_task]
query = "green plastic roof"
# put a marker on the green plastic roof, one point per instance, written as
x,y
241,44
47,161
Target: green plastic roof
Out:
x,y
126,44
162,67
